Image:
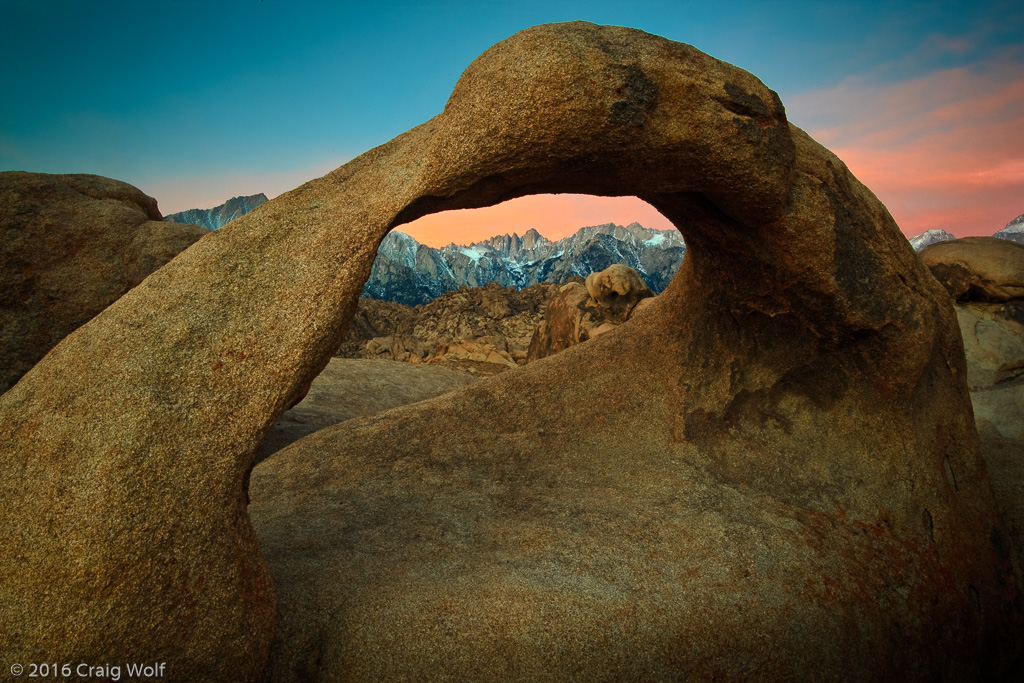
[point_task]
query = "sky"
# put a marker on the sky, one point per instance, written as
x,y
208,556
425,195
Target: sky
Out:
x,y
197,101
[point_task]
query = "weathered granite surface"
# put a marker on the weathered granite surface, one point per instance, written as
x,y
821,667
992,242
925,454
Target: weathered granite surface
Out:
x,y
70,245
771,472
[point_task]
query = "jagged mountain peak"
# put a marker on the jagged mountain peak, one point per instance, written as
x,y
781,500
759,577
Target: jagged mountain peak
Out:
x,y
930,237
1014,230
221,215
412,273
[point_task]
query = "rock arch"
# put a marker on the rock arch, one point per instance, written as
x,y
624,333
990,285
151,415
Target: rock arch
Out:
x,y
801,389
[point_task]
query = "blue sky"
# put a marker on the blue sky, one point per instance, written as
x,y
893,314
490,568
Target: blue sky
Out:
x,y
198,101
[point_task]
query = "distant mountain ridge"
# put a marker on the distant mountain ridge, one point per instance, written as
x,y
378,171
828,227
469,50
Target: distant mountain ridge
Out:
x,y
930,237
412,273
219,216
1014,230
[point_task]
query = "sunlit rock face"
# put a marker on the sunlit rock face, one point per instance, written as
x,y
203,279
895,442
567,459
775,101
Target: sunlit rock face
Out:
x,y
769,473
978,268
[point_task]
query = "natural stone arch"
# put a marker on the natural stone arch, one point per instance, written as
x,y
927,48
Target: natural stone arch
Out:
x,y
125,530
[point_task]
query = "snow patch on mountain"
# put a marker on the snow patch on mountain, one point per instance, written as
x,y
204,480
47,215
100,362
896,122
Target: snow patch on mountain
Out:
x,y
930,237
413,273
219,216
1014,230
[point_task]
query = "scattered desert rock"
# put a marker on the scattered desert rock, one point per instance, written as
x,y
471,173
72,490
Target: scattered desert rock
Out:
x,y
772,473
71,245
481,330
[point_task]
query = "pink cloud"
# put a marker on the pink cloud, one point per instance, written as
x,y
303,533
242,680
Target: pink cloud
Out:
x,y
554,216
941,151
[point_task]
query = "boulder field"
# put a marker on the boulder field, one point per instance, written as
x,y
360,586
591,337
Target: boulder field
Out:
x,y
770,473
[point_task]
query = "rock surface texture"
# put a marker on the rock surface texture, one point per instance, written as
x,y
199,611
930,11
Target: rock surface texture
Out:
x,y
580,312
977,271
70,246
481,330
350,387
771,473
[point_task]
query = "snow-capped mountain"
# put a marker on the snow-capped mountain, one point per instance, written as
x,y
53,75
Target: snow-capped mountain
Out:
x,y
930,237
1014,230
218,216
412,273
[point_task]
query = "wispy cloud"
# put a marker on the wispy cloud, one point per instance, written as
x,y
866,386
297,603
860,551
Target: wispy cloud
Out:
x,y
943,150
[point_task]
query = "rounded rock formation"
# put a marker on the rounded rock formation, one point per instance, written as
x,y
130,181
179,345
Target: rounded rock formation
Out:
x,y
580,312
71,245
978,268
780,478
617,289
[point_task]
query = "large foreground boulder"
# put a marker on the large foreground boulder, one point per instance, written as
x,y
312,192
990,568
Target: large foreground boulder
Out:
x,y
771,473
70,246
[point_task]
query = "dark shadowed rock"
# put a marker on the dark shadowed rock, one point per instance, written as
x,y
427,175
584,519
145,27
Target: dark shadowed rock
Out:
x,y
978,268
993,335
770,473
71,245
994,345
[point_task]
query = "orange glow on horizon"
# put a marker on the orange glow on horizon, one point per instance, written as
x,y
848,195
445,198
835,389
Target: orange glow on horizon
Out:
x,y
553,216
